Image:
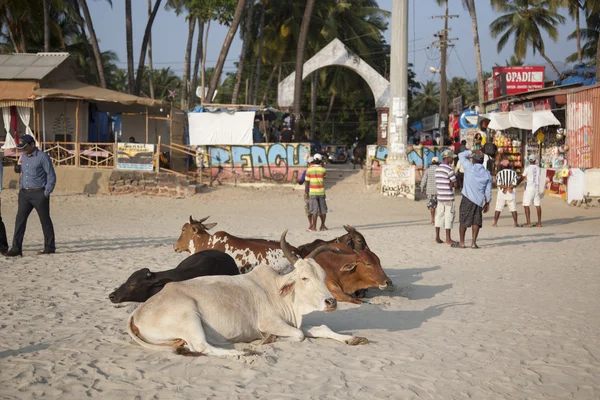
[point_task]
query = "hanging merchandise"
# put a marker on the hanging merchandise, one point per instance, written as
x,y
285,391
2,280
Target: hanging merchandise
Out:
x,y
510,147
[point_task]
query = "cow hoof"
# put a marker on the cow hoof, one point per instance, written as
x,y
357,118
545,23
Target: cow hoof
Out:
x,y
269,339
355,341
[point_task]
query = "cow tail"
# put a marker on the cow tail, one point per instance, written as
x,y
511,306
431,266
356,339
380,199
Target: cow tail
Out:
x,y
134,332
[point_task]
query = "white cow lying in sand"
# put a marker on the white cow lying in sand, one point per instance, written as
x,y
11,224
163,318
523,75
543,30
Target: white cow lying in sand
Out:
x,y
198,316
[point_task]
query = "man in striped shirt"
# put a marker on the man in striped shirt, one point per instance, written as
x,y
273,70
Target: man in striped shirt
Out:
x,y
506,180
445,182
315,191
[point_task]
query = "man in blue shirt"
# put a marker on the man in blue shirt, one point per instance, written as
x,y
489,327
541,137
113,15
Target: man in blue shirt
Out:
x,y
37,183
477,195
3,239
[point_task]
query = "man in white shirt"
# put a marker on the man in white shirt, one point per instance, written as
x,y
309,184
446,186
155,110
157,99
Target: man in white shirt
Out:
x,y
531,175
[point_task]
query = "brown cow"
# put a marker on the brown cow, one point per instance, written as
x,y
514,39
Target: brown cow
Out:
x,y
349,271
353,239
247,253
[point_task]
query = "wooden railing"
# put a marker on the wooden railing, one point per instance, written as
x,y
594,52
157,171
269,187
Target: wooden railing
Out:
x,y
97,155
61,153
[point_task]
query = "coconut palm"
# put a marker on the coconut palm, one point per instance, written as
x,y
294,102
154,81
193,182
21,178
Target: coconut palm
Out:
x,y
304,28
94,42
469,5
427,100
590,37
246,38
237,17
129,45
138,79
525,20
574,8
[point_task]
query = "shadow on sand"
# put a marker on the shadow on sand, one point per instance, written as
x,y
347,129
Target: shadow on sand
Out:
x,y
26,349
111,244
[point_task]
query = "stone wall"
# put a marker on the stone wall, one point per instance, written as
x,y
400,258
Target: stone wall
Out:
x,y
151,184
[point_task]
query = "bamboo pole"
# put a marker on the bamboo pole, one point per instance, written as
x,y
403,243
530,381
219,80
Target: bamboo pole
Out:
x,y
147,122
171,124
76,133
158,156
158,119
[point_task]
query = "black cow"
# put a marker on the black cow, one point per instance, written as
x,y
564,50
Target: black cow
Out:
x,y
360,154
143,284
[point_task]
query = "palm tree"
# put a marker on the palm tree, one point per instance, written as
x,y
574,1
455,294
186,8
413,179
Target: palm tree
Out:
x,y
525,20
574,8
197,57
427,101
590,36
469,5
261,30
129,40
46,6
239,12
300,56
592,8
244,53
150,66
94,40
138,78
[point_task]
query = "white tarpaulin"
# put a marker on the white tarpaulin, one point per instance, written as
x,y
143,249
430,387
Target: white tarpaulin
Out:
x,y
528,120
221,128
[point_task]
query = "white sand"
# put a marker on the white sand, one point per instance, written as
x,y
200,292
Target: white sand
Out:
x,y
518,319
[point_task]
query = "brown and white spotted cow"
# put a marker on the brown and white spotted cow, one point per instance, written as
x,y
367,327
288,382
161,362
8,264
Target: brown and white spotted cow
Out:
x,y
247,253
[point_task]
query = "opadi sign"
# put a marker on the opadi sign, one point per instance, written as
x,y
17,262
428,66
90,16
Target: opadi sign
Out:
x,y
521,79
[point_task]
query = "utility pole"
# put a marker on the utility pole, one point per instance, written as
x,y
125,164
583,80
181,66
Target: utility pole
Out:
x,y
397,175
444,42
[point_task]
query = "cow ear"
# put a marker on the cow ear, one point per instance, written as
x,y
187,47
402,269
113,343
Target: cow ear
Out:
x,y
348,267
288,287
208,227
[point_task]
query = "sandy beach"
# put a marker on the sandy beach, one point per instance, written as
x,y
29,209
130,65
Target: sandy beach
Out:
x,y
517,319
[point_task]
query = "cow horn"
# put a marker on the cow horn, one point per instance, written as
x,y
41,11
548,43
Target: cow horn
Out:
x,y
285,247
349,228
204,219
313,254
191,220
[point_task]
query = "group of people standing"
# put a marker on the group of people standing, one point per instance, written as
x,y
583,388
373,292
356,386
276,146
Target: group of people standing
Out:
x,y
37,183
441,179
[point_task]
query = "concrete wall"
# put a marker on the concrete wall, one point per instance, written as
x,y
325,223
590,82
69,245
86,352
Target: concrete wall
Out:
x,y
259,163
420,156
68,179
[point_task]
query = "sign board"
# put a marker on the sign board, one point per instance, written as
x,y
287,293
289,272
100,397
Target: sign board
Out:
x,y
521,79
135,156
430,123
458,105
398,180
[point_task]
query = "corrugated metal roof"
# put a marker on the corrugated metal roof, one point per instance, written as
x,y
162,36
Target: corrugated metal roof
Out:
x,y
29,66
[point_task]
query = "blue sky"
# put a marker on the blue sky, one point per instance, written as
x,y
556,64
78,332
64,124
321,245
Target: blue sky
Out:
x,y
170,36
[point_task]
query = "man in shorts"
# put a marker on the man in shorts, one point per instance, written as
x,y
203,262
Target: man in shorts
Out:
x,y
531,174
301,182
315,192
445,181
506,180
429,188
477,195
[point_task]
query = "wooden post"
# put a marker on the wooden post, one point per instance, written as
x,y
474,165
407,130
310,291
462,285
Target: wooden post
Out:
x,y
158,155
171,125
147,126
76,133
264,126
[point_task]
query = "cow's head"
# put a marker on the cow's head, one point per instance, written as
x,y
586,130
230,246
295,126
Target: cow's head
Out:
x,y
306,281
189,232
140,286
366,268
353,239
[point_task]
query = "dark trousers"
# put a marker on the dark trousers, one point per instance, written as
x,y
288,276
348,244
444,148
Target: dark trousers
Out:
x,y
3,239
27,202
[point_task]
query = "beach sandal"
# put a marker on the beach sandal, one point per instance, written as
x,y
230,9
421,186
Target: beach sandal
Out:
x,y
457,246
453,243
474,247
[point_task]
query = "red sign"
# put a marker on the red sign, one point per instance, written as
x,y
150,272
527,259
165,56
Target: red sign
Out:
x,y
521,79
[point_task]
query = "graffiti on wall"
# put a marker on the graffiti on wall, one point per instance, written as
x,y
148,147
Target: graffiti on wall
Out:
x,y
274,162
398,181
419,156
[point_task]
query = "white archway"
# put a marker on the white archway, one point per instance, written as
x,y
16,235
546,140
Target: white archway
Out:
x,y
336,53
